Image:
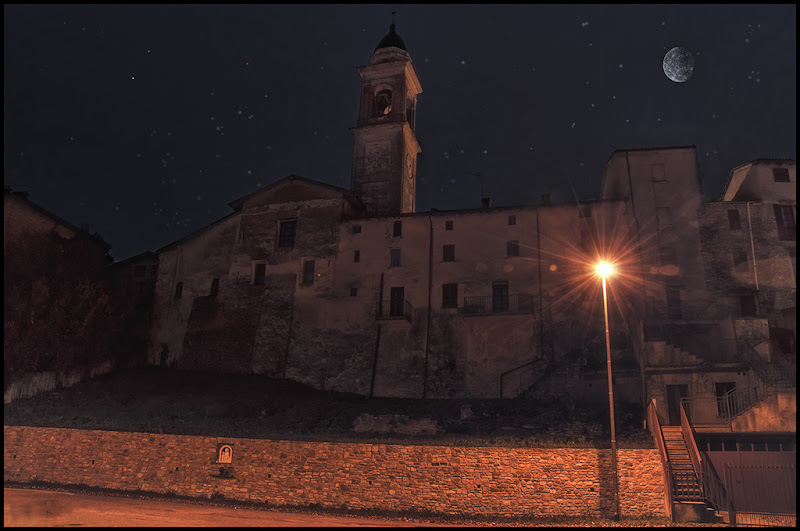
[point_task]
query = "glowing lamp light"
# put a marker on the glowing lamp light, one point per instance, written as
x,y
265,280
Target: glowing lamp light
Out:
x,y
604,269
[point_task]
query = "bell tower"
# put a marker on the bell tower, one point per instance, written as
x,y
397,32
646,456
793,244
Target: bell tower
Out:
x,y
385,145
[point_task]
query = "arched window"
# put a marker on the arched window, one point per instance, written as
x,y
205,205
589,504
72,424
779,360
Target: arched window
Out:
x,y
383,102
410,111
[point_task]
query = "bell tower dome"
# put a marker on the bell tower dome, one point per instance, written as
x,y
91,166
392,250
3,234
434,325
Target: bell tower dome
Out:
x,y
385,145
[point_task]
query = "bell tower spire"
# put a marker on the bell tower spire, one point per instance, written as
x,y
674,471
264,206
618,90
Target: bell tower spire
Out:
x,y
385,145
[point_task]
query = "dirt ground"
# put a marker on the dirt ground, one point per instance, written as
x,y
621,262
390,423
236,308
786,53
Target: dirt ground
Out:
x,y
42,508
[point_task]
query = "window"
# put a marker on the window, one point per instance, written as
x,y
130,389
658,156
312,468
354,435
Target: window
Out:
x,y
512,220
397,229
781,175
667,256
586,212
356,229
259,272
356,256
500,296
139,271
308,272
410,111
784,215
178,290
748,305
740,261
353,292
396,302
659,175
383,102
448,225
512,248
448,253
286,236
394,258
214,287
449,295
733,220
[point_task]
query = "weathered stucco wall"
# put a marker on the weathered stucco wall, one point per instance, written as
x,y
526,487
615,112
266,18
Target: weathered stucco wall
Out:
x,y
777,413
326,333
442,479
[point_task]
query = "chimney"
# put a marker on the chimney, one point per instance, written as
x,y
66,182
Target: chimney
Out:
x,y
545,199
486,202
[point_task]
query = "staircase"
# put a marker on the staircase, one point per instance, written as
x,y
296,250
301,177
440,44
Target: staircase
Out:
x,y
685,487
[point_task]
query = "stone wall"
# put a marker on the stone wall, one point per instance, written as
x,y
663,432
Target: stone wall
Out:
x,y
443,479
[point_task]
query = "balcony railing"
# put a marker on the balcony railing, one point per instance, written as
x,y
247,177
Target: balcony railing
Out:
x,y
489,305
722,410
389,311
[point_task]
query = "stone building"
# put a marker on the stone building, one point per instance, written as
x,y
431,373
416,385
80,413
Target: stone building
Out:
x,y
24,219
354,290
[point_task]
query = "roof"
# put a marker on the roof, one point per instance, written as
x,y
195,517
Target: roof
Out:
x,y
391,39
145,254
661,148
238,203
751,163
23,196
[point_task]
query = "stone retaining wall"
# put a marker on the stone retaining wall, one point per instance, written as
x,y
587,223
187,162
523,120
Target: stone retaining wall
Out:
x,y
444,479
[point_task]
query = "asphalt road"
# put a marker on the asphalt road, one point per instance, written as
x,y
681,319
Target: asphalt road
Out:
x,y
38,508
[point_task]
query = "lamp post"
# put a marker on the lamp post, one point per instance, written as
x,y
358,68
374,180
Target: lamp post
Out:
x,y
604,270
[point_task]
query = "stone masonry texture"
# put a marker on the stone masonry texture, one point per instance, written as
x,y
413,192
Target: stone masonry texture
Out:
x,y
442,479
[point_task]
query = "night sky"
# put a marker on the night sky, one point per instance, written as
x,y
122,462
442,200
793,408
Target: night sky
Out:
x,y
145,121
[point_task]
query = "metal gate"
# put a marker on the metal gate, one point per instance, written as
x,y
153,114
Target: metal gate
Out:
x,y
762,495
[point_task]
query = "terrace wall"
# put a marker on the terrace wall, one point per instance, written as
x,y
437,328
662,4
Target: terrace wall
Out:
x,y
442,479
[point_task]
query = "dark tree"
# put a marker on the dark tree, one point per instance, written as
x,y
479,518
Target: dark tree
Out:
x,y
59,307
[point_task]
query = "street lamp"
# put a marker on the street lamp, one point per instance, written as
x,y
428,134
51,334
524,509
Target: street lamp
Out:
x,y
603,270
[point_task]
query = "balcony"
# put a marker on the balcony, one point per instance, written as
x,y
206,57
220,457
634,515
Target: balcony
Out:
x,y
393,310
487,305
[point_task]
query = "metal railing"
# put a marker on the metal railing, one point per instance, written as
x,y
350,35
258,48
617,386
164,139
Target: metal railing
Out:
x,y
654,425
389,311
717,410
712,490
513,382
487,304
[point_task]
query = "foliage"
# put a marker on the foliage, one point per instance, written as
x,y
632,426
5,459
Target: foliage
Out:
x,y
59,309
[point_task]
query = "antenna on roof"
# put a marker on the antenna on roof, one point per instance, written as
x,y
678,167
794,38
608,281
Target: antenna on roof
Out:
x,y
393,13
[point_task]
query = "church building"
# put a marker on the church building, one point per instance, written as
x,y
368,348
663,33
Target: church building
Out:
x,y
354,290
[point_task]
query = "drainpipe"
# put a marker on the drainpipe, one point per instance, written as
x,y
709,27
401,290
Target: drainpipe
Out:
x,y
288,340
377,341
178,256
541,311
428,327
752,245
643,360
375,361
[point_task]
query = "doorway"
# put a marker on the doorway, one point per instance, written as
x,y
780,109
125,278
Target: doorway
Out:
x,y
674,395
